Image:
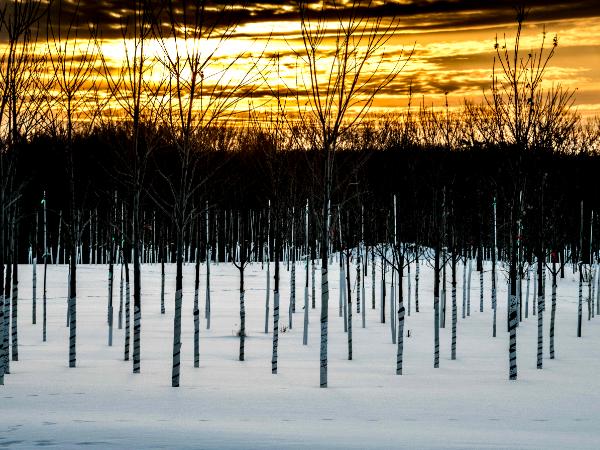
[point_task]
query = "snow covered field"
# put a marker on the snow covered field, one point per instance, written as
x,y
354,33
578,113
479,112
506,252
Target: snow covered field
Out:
x,y
227,404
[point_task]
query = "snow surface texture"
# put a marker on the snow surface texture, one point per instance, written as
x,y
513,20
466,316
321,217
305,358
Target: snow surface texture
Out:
x,y
227,404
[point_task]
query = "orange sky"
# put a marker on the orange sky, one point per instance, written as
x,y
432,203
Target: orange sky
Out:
x,y
453,46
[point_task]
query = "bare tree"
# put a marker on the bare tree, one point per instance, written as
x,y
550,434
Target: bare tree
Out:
x,y
202,92
71,56
342,67
134,87
20,80
523,111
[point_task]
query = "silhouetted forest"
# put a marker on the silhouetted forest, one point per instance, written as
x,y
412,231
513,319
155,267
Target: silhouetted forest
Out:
x,y
248,176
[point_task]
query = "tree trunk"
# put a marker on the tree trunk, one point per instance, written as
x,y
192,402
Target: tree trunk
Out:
x,y
7,297
177,318
454,307
436,308
196,311
2,361
400,348
464,290
34,274
540,300
207,305
417,269
580,301
528,275
127,310
373,279
553,310
242,311
307,256
393,306
512,305
349,308
121,294
275,309
110,297
15,297
137,285
469,277
324,276
162,280
44,298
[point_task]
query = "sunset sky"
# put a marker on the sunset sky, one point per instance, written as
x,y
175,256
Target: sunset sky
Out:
x,y
453,44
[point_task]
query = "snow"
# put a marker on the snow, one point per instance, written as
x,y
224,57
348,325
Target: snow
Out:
x,y
228,404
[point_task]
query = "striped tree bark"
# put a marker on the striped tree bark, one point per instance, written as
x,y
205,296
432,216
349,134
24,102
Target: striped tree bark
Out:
x,y
443,291
393,306
292,289
512,346
436,309
307,256
383,289
68,322
541,308
401,311
267,251
275,310
121,287
306,306
363,300
34,271
207,304
598,290
588,282
373,278
454,306
481,291
592,284
110,299
137,283
196,310
162,280
358,284
2,363
512,306
528,275
349,308
45,256
409,288
242,316
343,305
293,282
494,304
324,319
344,293
7,298
268,292
176,366
579,301
313,296
127,310
494,257
34,292
534,297
464,290
553,310
245,252
417,269
469,277
73,313
15,303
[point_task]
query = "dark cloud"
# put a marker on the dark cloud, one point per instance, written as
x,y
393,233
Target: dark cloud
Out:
x,y
419,15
